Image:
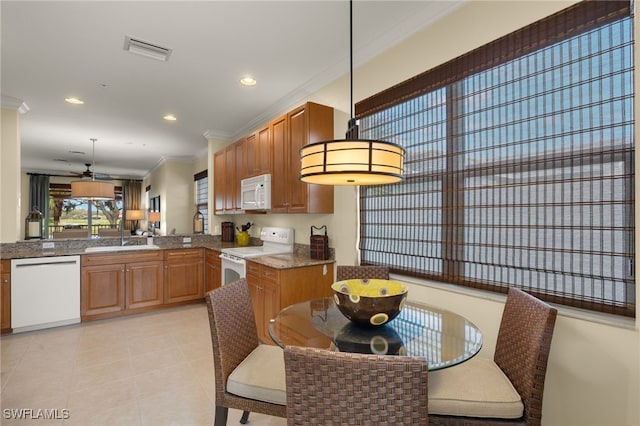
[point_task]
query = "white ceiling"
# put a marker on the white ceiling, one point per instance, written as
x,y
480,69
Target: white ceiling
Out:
x,y
52,50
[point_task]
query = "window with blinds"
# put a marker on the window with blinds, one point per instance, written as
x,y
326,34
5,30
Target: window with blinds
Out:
x,y
519,168
202,196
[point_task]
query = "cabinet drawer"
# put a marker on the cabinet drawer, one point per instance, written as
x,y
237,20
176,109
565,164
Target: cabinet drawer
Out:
x,y
269,274
212,256
181,255
110,259
253,269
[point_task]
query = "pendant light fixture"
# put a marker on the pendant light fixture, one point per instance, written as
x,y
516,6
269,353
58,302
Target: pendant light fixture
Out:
x,y
352,161
93,189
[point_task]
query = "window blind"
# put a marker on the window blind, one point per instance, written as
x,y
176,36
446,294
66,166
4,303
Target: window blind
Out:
x,y
519,168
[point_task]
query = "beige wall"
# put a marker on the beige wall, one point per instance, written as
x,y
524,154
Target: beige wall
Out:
x,y
173,182
11,218
594,368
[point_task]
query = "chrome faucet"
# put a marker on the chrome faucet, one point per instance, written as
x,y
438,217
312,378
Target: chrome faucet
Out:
x,y
122,241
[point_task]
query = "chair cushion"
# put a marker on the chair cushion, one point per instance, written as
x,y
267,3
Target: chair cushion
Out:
x,y
260,376
476,388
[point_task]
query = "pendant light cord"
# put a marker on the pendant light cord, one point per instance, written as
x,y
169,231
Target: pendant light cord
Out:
x,y
93,159
352,128
351,106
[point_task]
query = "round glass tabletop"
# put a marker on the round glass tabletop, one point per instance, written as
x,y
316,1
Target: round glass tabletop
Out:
x,y
443,337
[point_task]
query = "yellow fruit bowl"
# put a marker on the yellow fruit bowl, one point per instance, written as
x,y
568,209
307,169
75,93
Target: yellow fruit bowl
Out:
x,y
372,302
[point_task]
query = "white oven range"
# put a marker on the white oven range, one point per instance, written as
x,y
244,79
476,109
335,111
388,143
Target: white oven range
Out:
x,y
274,241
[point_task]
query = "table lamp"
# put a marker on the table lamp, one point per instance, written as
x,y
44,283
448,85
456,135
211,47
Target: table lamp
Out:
x,y
134,215
154,217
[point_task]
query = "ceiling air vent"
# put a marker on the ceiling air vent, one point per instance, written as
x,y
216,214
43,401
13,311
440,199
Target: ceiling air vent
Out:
x,y
144,48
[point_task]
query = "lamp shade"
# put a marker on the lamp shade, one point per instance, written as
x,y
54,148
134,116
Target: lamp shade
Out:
x,y
154,217
92,189
134,214
351,162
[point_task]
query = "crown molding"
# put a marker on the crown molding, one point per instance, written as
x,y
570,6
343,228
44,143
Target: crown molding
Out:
x,y
218,135
9,102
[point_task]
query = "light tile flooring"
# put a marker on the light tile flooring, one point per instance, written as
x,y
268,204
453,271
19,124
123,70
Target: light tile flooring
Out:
x,y
149,369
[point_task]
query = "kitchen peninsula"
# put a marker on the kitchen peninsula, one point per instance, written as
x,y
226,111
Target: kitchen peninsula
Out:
x,y
176,270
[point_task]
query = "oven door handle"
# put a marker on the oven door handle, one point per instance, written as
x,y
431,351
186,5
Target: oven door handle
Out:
x,y
232,260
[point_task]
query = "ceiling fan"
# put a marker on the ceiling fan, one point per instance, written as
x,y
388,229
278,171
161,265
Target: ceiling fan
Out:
x,y
89,174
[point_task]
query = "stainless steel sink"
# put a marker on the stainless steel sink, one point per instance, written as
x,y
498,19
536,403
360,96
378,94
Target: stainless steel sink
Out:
x,y
121,248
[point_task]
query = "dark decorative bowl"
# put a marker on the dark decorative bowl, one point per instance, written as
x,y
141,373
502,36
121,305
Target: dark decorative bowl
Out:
x,y
382,340
371,302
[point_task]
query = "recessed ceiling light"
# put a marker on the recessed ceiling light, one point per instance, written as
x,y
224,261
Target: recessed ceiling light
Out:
x,y
170,117
74,101
248,81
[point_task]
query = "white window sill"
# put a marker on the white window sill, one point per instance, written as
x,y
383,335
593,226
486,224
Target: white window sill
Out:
x,y
563,311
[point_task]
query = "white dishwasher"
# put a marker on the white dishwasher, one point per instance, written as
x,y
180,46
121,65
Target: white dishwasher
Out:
x,y
45,292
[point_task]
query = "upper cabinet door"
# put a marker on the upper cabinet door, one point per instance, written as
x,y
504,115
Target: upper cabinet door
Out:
x,y
265,150
308,124
279,190
298,137
258,152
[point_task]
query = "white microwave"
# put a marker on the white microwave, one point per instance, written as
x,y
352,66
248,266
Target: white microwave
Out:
x,y
256,193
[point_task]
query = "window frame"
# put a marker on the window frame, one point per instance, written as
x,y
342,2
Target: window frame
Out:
x,y
202,204
577,19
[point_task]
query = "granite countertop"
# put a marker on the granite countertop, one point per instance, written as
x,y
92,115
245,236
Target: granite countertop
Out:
x,y
286,261
27,249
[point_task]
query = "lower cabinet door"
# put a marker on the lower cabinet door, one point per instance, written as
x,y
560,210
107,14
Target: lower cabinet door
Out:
x,y
102,289
183,281
145,284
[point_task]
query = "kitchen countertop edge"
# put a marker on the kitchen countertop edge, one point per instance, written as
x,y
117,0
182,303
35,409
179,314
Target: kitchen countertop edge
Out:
x,y
299,258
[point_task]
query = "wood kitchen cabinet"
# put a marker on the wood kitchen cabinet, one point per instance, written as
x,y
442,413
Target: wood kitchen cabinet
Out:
x,y
5,296
183,275
229,169
273,289
275,149
212,270
112,284
263,285
307,124
258,152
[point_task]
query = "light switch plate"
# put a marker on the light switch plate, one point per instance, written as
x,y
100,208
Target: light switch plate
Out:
x,y
186,240
48,245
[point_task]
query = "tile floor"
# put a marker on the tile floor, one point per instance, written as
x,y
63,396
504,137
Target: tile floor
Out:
x,y
141,370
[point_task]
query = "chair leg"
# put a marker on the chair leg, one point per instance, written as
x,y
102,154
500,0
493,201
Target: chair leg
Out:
x,y
245,417
221,416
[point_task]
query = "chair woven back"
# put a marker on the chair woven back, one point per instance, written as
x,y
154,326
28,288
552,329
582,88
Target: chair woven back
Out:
x,y
522,348
233,338
338,388
344,272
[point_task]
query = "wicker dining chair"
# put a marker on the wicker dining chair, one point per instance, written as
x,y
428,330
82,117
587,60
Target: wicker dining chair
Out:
x,y
509,388
339,388
344,272
249,376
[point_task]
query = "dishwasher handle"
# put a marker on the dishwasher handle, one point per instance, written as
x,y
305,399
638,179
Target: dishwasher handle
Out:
x,y
44,263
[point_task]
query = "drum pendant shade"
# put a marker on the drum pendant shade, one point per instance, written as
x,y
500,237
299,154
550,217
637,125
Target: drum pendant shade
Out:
x,y
351,161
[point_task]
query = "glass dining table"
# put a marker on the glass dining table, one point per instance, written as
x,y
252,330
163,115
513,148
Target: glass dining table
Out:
x,y
443,337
